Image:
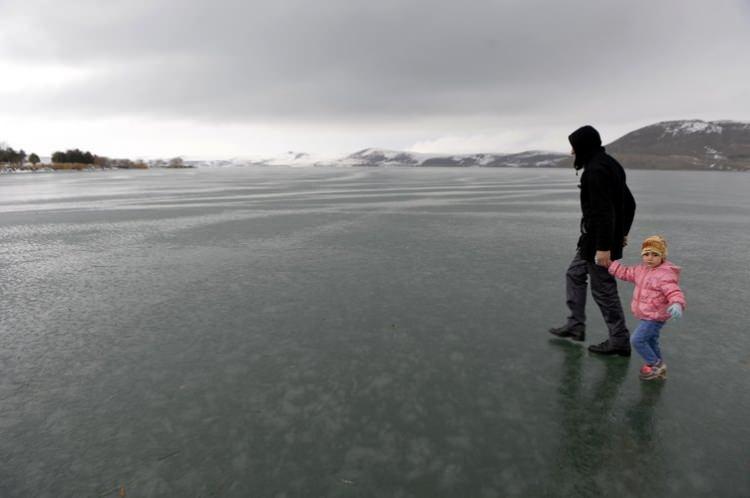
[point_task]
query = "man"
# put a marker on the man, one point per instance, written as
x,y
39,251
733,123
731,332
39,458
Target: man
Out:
x,y
608,209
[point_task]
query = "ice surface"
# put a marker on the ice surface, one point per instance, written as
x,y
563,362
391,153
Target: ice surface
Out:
x,y
339,332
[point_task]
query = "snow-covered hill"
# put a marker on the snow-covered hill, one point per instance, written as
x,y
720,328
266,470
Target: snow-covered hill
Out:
x,y
687,144
392,158
290,158
383,157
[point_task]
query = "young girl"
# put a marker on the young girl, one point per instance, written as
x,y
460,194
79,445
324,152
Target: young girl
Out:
x,y
657,297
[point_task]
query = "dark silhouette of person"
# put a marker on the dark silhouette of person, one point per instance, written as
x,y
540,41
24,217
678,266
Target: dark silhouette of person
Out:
x,y
608,209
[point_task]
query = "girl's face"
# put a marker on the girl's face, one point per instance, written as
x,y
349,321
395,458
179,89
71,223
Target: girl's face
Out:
x,y
651,259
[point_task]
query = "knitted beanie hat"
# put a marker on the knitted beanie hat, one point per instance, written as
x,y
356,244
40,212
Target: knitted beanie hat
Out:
x,y
655,243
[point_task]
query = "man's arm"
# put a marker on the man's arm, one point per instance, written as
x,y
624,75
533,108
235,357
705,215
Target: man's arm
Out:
x,y
602,215
628,212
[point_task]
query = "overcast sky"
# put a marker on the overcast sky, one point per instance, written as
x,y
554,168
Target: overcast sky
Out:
x,y
232,78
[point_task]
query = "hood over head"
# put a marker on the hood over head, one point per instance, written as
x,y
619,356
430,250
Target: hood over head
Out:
x,y
585,142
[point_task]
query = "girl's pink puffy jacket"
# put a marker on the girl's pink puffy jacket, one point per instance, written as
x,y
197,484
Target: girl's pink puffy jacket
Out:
x,y
655,288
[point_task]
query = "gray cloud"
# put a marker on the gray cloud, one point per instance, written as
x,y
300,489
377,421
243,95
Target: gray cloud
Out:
x,y
349,60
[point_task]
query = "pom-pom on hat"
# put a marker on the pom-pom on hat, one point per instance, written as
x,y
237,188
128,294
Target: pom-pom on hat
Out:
x,y
655,243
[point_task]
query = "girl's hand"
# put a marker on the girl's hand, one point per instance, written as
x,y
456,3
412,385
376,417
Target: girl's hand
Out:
x,y
675,310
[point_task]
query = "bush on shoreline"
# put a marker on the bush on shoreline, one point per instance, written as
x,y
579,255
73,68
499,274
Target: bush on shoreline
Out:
x,y
73,156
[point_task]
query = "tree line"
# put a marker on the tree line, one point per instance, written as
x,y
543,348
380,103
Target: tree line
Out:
x,y
9,155
77,156
71,156
12,156
77,159
74,156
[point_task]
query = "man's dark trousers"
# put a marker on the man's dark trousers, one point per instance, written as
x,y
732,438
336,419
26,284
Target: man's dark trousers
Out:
x,y
604,291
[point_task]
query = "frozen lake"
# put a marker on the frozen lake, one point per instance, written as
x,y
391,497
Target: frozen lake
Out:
x,y
355,333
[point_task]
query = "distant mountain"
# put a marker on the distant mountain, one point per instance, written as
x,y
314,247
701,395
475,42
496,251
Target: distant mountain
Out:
x,y
382,157
289,158
688,144
394,158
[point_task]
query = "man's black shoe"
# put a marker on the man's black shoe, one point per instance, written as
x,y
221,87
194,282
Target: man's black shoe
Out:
x,y
575,332
606,349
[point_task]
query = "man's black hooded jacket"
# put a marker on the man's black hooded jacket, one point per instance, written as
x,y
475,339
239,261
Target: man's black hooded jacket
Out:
x,y
607,204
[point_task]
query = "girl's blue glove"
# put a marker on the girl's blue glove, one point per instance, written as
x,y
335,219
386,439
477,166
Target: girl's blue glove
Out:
x,y
675,310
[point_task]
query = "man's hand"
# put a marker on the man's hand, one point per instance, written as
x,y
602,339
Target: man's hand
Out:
x,y
602,258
